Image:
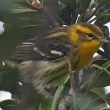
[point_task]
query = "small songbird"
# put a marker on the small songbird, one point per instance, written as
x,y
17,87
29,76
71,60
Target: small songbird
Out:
x,y
43,60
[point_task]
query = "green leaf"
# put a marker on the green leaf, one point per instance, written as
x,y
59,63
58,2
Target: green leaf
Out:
x,y
58,95
96,78
8,104
86,102
23,10
101,68
105,13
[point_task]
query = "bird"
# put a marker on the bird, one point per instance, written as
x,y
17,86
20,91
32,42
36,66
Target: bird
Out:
x,y
43,60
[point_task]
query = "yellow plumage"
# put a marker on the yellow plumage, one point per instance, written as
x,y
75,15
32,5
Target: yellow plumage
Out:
x,y
79,42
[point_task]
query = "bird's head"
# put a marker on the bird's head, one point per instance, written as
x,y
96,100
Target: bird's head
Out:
x,y
86,33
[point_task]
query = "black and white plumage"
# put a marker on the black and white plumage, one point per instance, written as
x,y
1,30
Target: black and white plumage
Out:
x,y
48,47
42,57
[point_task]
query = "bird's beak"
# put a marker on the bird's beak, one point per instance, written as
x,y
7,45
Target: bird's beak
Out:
x,y
103,40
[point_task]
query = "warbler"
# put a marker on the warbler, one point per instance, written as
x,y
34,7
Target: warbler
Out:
x,y
43,60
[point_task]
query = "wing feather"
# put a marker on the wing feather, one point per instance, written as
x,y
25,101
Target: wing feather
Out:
x,y
52,46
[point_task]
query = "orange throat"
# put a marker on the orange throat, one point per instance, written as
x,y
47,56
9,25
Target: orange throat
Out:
x,y
86,52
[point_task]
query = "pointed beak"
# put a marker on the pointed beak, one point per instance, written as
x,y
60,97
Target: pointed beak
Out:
x,y
103,40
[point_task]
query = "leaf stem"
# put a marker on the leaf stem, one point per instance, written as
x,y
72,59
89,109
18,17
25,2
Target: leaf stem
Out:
x,y
72,83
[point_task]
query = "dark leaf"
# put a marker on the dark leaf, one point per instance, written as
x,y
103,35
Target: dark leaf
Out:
x,y
8,104
70,3
9,78
83,4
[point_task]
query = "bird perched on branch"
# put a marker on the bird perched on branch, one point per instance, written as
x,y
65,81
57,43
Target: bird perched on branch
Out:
x,y
43,60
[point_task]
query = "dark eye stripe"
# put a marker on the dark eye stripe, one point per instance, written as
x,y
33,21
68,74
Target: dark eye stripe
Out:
x,y
89,35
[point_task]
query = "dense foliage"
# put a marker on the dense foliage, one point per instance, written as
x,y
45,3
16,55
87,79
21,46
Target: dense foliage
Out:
x,y
27,18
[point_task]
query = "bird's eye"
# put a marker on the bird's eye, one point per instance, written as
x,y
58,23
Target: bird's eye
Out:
x,y
90,36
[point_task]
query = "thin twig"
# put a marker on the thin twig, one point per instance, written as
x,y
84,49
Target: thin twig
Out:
x,y
71,73
72,82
